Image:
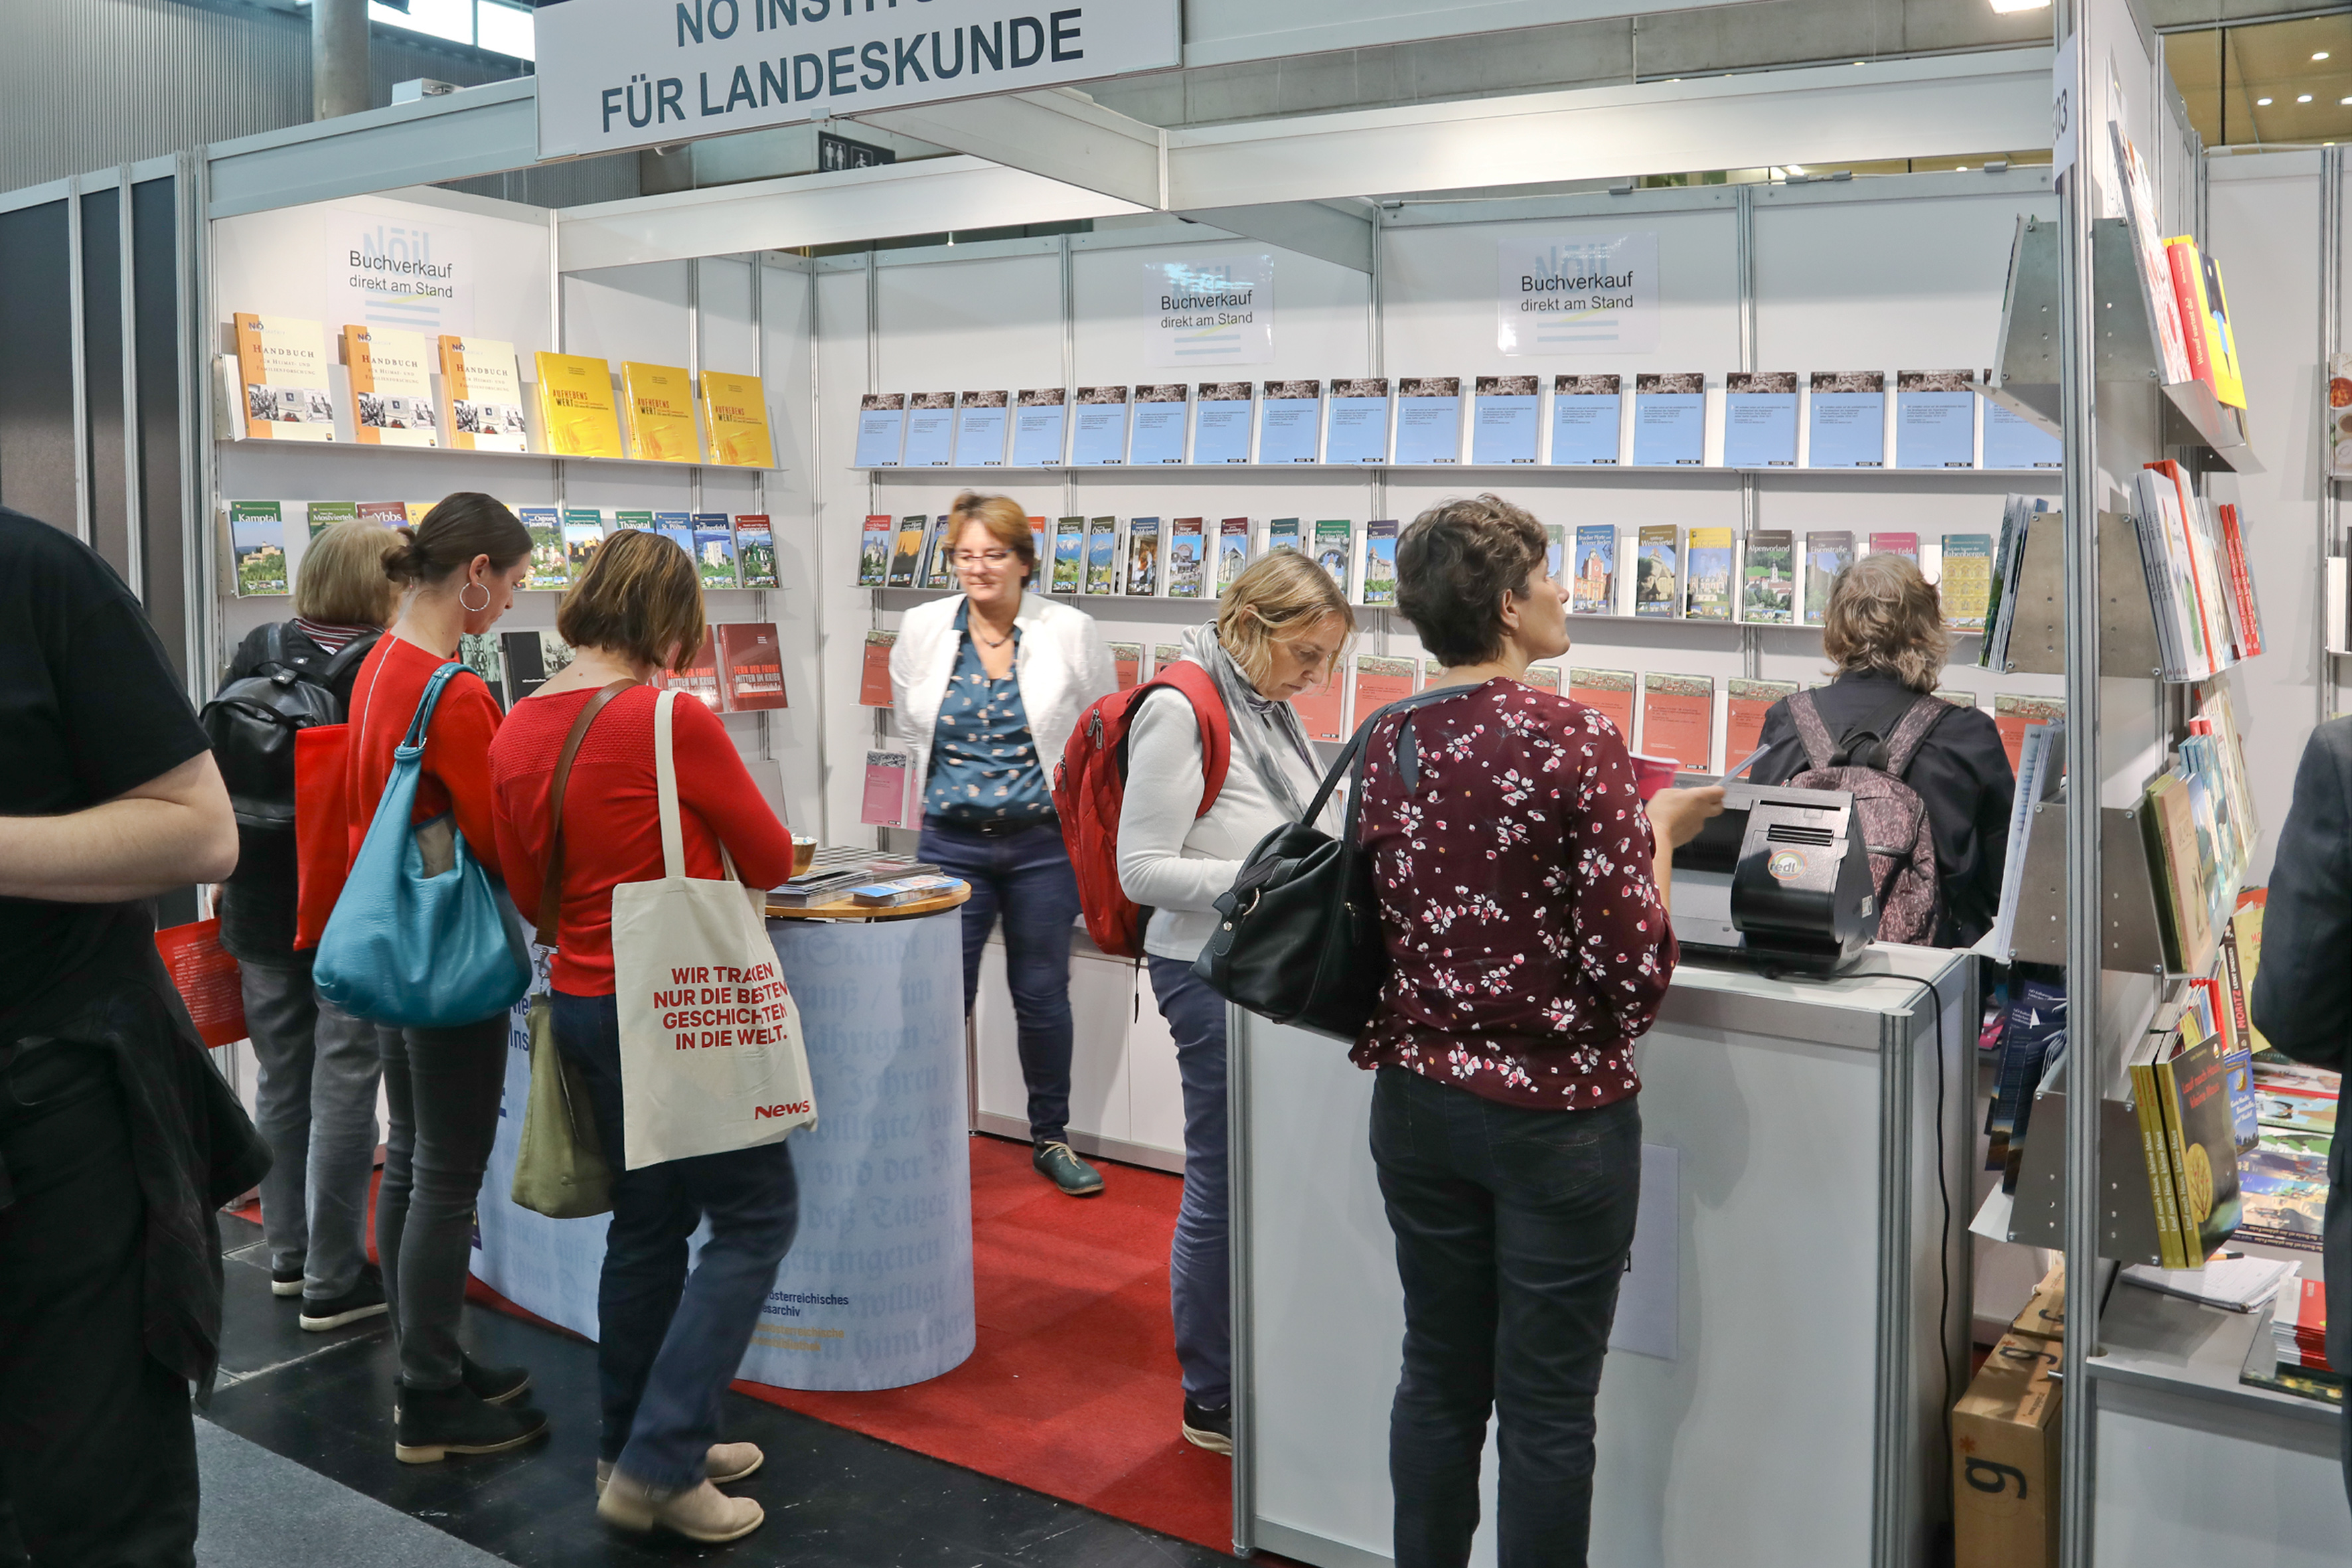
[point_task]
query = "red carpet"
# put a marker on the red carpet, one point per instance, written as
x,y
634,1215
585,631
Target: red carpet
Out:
x,y
1073,1390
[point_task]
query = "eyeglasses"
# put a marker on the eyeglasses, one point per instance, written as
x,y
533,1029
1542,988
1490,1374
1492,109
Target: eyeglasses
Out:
x,y
984,558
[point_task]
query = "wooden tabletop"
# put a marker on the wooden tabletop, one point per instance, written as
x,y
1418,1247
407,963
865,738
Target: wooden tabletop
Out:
x,y
845,911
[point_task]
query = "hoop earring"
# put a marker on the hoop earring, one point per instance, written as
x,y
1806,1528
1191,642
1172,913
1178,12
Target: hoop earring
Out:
x,y
474,609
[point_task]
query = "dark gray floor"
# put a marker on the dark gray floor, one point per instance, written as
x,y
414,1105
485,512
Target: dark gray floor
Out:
x,y
834,1499
262,1511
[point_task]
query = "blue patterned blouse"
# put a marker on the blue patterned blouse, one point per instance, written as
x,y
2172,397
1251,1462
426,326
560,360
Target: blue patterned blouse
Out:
x,y
984,764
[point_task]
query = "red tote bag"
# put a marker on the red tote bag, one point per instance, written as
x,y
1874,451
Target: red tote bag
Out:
x,y
322,826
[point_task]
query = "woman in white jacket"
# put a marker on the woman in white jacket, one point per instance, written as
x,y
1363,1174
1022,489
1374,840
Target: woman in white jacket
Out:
x,y
1278,631
987,688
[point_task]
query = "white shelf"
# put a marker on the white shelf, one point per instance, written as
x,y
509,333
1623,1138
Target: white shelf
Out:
x,y
250,443
1583,469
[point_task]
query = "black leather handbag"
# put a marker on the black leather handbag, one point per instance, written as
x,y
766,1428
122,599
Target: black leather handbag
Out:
x,y
1298,935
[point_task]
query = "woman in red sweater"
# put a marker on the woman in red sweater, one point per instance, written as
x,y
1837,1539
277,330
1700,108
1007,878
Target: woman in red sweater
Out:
x,y
668,1340
441,1087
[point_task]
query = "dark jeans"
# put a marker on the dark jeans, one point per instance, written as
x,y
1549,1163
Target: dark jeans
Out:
x,y
441,1091
1027,877
97,1449
668,1341
1200,1264
1513,1226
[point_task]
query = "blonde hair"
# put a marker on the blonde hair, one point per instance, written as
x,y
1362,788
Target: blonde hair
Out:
x,y
1005,522
1279,597
1882,615
343,581
641,596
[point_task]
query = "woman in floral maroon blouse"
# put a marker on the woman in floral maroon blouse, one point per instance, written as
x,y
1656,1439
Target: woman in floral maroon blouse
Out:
x,y
1523,896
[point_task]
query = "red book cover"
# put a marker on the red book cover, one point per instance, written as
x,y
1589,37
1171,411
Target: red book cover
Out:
x,y
2242,583
883,804
1678,718
1380,681
1127,659
207,977
1323,710
700,678
873,679
1746,703
2187,294
1611,692
751,666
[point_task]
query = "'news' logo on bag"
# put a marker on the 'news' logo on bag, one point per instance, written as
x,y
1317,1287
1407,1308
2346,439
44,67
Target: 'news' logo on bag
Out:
x,y
799,1108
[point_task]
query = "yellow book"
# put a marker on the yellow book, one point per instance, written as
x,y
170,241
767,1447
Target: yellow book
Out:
x,y
282,365
416,510
485,394
659,402
735,411
2229,382
575,406
2155,1153
392,388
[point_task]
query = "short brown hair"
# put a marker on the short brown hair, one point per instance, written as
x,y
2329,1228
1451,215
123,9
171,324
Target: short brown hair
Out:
x,y
343,581
1005,522
458,527
1882,615
640,597
1279,595
1455,563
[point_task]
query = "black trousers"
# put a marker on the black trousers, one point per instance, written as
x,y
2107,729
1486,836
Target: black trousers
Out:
x,y
1513,1226
98,1447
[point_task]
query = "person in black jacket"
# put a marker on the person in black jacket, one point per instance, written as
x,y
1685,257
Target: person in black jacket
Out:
x,y
117,1138
317,1065
2303,990
1884,631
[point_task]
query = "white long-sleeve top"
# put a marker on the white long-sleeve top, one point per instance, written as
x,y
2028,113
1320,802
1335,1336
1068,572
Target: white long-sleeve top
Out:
x,y
1171,862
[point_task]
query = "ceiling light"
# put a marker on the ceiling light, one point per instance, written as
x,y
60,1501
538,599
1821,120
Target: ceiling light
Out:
x,y
2261,103
2320,56
2303,97
2005,7
1795,168
2343,100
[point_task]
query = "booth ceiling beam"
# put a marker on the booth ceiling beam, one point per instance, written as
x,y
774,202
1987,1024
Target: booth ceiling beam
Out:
x,y
931,195
1225,32
1063,135
1320,230
480,131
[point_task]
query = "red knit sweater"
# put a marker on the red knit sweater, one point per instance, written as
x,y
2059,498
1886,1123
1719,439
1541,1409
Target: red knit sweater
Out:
x,y
612,820
457,762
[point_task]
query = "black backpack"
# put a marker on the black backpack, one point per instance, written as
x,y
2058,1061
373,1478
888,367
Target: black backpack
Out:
x,y
252,721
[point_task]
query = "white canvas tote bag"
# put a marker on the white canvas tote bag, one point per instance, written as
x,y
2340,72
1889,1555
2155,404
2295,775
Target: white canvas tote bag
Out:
x,y
711,1059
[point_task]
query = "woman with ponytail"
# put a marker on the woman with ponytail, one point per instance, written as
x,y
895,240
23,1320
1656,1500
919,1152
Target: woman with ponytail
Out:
x,y
442,1087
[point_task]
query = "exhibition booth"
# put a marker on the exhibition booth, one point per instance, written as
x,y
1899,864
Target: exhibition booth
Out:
x,y
1798,358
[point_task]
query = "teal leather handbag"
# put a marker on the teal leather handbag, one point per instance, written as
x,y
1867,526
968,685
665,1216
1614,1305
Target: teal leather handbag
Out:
x,y
416,947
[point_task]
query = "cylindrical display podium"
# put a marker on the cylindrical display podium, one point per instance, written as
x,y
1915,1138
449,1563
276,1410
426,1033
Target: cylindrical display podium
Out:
x,y
876,1290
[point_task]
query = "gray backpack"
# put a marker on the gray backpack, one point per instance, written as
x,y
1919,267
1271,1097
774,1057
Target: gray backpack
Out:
x,y
1869,763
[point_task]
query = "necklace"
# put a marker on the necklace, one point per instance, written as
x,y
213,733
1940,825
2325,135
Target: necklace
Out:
x,y
974,627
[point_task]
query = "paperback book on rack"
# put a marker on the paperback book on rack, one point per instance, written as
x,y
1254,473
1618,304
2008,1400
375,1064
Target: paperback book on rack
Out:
x,y
282,368
392,388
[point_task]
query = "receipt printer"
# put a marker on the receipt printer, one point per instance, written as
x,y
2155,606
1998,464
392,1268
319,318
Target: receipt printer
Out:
x,y
1780,879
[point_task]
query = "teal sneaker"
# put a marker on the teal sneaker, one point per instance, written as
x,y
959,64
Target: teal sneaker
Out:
x,y
1057,1163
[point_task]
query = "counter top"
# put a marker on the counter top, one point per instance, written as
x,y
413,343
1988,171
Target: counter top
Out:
x,y
1868,1009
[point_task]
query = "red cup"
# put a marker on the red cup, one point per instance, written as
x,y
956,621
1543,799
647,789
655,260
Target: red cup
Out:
x,y
1652,775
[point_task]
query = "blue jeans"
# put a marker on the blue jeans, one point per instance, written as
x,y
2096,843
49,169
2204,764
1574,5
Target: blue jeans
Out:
x,y
1026,877
668,1341
1513,1225
1199,1265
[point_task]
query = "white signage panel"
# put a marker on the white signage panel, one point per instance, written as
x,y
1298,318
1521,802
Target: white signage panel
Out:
x,y
616,74
414,272
1575,294
1208,310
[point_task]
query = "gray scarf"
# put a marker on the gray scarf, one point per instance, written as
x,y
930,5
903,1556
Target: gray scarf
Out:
x,y
1260,724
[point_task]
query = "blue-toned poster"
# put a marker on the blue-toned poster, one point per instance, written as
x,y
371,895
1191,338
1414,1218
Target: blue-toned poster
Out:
x,y
2014,441
1037,417
1585,418
1429,419
931,431
1759,419
1099,431
1848,419
1935,419
1359,422
1158,435
881,429
980,430
1670,419
1221,422
1503,419
1290,422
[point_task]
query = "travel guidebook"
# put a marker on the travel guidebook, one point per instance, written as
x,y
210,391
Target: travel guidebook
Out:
x,y
1826,554
256,533
1767,586
1964,582
938,554
549,566
1069,553
1657,586
1102,555
873,552
1142,557
874,674
881,429
1187,547
584,531
1335,549
1906,545
677,527
714,551
1282,533
907,555
1593,591
1707,578
322,515
1379,563
755,550
1233,551
1585,418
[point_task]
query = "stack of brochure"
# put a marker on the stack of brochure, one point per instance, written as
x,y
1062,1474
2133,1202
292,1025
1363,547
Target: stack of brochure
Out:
x,y
835,870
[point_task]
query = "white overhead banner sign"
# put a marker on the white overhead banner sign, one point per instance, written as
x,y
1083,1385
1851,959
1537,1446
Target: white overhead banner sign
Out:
x,y
1558,294
1208,311
616,74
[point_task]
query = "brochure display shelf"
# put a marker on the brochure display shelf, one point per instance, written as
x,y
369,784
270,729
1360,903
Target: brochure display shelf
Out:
x,y
1516,471
242,443
2128,637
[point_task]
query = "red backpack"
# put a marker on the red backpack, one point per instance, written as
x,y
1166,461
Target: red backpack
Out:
x,y
1090,786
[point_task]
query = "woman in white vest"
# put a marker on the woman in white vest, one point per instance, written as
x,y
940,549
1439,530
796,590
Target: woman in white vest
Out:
x,y
1278,631
987,687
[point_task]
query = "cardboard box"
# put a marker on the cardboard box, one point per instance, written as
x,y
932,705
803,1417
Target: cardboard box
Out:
x,y
2005,1458
2045,1315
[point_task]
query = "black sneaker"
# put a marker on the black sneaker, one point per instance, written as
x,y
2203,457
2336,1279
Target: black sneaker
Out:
x,y
496,1384
1210,1429
1058,1163
286,1281
430,1425
363,1299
